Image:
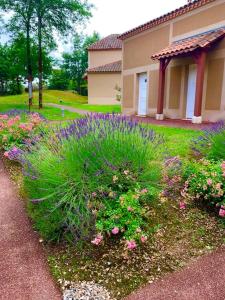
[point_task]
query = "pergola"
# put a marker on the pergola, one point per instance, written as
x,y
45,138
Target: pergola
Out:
x,y
197,48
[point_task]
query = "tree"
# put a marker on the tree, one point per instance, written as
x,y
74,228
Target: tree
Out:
x,y
58,80
21,22
75,64
13,62
57,16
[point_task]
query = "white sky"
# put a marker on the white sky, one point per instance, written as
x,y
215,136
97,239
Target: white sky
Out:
x,y
118,16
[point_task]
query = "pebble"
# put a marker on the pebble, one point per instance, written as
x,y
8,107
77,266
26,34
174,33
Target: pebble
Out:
x,y
86,291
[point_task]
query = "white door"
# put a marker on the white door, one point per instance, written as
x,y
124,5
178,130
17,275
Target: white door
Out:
x,y
191,91
142,102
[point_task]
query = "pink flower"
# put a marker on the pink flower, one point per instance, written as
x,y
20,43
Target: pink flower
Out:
x,y
223,165
115,230
130,208
182,205
131,245
223,174
97,240
4,117
222,213
209,181
144,191
6,154
143,239
94,194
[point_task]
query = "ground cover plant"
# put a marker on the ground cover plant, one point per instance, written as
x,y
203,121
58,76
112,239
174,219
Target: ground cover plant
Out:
x,y
17,128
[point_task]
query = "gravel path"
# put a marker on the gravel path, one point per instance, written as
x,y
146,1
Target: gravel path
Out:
x,y
69,108
202,280
24,273
86,291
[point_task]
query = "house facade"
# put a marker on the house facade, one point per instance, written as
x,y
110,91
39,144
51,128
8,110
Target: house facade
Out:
x,y
174,66
104,72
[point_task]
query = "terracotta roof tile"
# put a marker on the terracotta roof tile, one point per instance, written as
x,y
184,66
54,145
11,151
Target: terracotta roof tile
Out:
x,y
110,42
112,68
191,44
167,17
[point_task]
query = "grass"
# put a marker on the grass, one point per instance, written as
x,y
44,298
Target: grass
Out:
x,y
58,97
20,102
77,101
177,139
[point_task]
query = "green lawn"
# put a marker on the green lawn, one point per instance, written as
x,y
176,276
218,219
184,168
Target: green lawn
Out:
x,y
77,101
58,97
177,139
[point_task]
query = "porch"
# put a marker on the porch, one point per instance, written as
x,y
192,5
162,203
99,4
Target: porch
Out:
x,y
176,123
195,47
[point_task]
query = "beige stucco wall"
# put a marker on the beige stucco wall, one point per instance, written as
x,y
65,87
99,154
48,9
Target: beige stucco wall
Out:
x,y
99,58
215,14
101,88
137,53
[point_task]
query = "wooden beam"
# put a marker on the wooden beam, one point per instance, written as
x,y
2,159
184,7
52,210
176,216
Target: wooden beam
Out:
x,y
162,77
200,60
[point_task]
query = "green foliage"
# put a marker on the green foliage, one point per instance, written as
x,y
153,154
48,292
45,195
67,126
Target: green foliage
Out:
x,y
66,169
205,184
13,65
211,143
58,80
125,214
75,64
16,129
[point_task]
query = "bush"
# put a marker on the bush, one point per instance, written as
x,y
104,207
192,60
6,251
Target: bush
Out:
x,y
211,143
78,177
206,184
16,129
58,81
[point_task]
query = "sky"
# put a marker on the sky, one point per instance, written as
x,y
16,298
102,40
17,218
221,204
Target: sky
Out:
x,y
118,16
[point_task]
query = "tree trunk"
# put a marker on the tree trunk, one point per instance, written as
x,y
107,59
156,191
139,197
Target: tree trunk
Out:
x,y
29,66
40,56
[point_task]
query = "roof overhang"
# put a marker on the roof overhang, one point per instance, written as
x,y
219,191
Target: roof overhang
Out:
x,y
114,67
189,45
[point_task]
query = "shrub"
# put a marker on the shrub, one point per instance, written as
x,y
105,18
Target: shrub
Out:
x,y
79,174
206,184
211,143
16,128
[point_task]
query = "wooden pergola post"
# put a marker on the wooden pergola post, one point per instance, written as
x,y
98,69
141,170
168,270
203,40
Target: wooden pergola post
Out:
x,y
162,78
200,59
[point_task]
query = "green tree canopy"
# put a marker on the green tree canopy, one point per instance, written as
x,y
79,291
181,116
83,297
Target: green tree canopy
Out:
x,y
75,63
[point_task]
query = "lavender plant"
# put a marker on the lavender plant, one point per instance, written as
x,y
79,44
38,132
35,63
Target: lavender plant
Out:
x,y
69,165
211,143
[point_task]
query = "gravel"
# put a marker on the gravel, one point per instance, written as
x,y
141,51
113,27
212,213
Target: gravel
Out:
x,y
86,291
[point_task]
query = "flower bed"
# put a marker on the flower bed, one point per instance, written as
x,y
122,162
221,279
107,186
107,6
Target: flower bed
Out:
x,y
16,129
104,181
97,176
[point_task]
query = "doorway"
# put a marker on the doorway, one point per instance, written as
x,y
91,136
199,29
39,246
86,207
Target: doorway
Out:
x,y
142,99
191,91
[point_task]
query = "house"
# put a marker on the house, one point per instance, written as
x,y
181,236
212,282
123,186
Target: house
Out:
x,y
174,66
104,72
